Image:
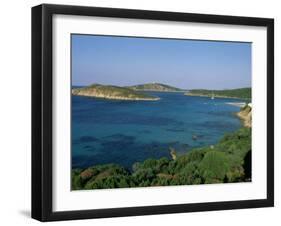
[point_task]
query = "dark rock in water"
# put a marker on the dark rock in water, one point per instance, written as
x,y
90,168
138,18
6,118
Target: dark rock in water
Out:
x,y
116,141
194,137
85,139
218,124
155,145
117,144
119,136
180,147
88,139
87,147
185,145
173,143
197,136
144,131
175,130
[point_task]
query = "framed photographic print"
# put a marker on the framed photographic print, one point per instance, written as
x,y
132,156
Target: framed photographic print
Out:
x,y
145,112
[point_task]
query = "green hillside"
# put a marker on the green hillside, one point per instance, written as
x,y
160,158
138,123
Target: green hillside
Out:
x,y
243,93
155,87
111,92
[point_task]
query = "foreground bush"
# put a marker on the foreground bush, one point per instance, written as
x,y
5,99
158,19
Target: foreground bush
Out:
x,y
227,161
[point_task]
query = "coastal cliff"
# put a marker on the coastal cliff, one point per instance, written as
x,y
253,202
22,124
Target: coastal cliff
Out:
x,y
112,92
246,116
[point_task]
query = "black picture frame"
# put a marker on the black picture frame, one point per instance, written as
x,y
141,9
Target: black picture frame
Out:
x,y
42,107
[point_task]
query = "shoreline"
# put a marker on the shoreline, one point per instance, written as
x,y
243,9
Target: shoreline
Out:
x,y
118,98
237,104
245,115
215,96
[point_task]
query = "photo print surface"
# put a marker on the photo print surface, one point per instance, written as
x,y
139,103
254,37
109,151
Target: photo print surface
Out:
x,y
159,112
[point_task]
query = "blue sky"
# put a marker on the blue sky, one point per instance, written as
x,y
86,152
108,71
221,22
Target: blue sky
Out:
x,y
185,64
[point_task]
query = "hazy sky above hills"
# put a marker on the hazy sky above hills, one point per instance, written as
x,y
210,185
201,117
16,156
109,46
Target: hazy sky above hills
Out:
x,y
185,64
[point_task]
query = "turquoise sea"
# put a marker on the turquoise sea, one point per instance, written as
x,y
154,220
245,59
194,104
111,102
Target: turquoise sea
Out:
x,y
125,132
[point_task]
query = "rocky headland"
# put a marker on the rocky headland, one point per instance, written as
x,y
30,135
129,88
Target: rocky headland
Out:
x,y
112,92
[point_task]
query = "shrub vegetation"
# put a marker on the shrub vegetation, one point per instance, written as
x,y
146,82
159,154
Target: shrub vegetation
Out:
x,y
243,93
227,161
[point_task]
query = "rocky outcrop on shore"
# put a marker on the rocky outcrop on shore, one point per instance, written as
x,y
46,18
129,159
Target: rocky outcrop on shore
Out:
x,y
246,115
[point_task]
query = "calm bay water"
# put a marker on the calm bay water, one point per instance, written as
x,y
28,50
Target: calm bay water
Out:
x,y
124,132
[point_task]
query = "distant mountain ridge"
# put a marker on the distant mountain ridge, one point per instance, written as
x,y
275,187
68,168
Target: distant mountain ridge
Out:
x,y
155,87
